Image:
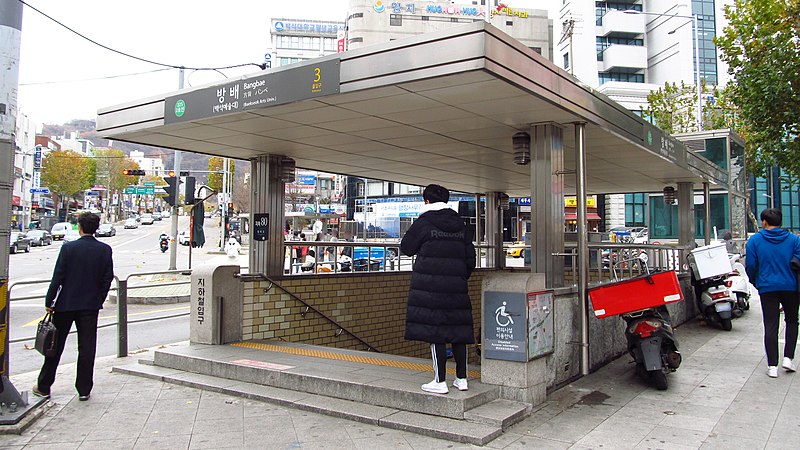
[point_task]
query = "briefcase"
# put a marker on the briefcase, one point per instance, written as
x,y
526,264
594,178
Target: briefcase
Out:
x,y
46,336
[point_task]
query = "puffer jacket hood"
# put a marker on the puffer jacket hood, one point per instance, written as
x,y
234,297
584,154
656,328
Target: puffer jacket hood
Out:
x,y
445,219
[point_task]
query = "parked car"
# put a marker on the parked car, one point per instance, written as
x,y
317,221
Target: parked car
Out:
x,y
60,229
157,217
71,235
147,219
40,238
630,235
19,242
131,222
166,214
105,229
517,250
183,237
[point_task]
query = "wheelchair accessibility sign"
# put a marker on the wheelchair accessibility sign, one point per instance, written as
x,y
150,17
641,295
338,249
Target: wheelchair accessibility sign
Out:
x,y
505,326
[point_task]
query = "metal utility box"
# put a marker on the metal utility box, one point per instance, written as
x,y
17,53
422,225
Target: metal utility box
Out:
x,y
216,299
517,326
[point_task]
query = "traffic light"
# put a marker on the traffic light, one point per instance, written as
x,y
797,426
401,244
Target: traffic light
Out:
x,y
230,208
171,173
172,190
133,172
184,173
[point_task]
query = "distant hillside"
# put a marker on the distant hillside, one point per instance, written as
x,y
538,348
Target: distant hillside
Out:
x,y
189,161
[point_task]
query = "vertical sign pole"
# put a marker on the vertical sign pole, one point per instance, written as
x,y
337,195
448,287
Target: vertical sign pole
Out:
x,y
173,248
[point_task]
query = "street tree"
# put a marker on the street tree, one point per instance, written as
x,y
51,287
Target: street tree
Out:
x,y
67,173
110,162
215,167
761,45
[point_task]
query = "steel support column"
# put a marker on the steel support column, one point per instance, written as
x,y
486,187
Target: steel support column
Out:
x,y
267,197
547,202
707,203
685,213
494,236
582,257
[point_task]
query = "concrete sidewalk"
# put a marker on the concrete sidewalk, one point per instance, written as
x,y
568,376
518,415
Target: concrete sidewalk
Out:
x,y
719,398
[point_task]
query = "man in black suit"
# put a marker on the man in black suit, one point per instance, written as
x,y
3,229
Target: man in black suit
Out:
x,y
81,280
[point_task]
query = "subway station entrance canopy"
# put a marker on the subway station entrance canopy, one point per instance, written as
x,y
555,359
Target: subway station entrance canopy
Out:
x,y
436,108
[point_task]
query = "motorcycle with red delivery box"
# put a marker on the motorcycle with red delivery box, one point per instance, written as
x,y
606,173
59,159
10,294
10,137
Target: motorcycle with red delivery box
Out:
x,y
641,302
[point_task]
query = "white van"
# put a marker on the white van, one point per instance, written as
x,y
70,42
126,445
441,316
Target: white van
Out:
x,y
60,229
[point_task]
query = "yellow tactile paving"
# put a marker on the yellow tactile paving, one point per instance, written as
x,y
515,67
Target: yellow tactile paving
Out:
x,y
347,357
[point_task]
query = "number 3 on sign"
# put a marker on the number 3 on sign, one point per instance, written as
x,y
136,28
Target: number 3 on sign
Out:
x,y
316,84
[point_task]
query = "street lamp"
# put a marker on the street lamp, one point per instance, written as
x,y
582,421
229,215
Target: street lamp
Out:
x,y
694,19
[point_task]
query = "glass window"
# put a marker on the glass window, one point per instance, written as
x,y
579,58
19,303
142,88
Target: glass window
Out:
x,y
396,20
566,60
716,151
635,205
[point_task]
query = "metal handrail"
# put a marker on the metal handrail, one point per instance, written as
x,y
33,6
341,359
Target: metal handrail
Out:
x,y
122,305
249,277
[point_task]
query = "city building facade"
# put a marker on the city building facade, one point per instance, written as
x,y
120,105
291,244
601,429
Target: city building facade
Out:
x,y
371,22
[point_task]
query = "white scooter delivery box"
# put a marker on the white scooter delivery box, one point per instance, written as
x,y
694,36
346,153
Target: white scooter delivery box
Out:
x,y
710,261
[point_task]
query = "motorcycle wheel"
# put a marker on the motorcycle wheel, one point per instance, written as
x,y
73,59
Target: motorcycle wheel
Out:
x,y
742,301
658,378
726,324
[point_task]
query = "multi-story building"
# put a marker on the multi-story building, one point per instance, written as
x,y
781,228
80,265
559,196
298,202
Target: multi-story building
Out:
x,y
628,48
372,22
24,155
153,165
76,144
295,40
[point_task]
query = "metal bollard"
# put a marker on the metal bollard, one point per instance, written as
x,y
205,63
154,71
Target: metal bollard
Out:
x,y
122,318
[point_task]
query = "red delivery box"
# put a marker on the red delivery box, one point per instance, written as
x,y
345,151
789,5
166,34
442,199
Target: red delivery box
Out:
x,y
633,294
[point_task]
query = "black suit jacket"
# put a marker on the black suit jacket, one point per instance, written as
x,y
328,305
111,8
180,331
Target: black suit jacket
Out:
x,y
83,271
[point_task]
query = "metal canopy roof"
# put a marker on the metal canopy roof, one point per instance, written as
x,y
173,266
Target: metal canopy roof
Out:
x,y
439,107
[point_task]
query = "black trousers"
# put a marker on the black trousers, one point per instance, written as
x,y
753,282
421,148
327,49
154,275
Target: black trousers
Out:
x,y
770,308
439,354
86,324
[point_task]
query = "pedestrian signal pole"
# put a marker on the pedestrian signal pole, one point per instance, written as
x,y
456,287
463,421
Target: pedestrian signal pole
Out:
x,y
173,240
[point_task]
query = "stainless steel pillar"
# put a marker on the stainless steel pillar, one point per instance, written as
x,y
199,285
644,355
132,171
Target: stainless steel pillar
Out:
x,y
685,213
707,203
547,202
268,256
582,257
494,237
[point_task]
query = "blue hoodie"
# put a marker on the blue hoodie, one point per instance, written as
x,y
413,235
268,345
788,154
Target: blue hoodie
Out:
x,y
768,257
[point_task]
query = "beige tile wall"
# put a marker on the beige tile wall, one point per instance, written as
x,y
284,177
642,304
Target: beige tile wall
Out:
x,y
371,306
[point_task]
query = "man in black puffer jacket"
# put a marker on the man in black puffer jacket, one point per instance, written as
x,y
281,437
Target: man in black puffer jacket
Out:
x,y
439,308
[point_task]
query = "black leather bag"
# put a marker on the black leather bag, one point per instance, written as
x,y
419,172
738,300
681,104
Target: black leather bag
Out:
x,y
46,336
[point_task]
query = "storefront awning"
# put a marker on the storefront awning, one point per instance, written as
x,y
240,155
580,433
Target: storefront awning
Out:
x,y
574,216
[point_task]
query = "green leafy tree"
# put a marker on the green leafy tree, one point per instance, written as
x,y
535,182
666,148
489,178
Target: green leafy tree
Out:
x,y
110,162
215,172
761,45
67,173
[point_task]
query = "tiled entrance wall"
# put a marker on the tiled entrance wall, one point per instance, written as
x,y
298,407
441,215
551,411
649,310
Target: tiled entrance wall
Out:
x,y
371,306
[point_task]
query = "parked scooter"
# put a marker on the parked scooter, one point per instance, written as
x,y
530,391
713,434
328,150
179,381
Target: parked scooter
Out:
x,y
163,242
739,286
652,344
641,302
714,300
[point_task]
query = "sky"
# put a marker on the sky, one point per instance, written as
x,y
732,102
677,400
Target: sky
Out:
x,y
63,76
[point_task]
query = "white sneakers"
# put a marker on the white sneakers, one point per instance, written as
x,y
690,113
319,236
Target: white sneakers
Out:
x,y
441,388
772,371
436,387
788,364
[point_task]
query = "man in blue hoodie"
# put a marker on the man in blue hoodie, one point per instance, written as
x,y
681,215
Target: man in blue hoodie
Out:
x,y
769,254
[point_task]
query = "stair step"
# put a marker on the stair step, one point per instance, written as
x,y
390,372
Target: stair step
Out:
x,y
499,413
338,382
424,424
